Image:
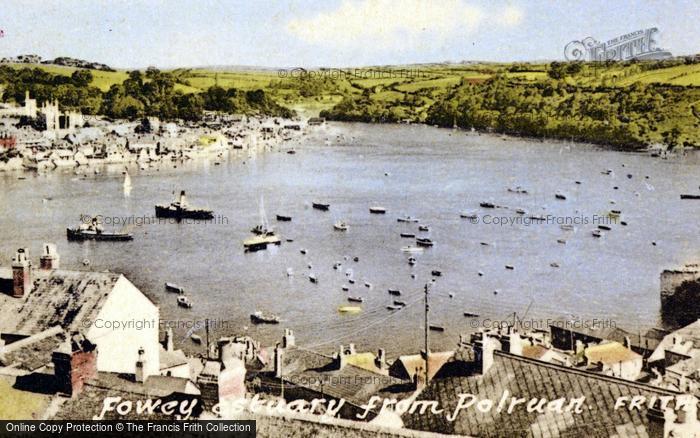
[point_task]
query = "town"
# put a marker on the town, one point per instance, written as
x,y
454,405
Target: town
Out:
x,y
50,350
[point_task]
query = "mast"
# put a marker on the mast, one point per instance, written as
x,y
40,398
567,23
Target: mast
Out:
x,y
427,307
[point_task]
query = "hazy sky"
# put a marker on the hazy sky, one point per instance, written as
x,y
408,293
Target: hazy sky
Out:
x,y
168,33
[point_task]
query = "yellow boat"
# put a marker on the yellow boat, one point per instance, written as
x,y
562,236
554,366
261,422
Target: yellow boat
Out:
x,y
349,309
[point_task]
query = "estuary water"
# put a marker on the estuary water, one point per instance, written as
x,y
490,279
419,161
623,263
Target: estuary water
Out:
x,y
429,173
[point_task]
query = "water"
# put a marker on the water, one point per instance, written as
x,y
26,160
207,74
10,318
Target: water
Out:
x,y
433,174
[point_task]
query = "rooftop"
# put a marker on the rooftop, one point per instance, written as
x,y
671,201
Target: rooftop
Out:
x,y
610,353
528,379
58,298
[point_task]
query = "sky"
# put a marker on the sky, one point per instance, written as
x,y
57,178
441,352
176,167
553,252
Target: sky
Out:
x,y
330,33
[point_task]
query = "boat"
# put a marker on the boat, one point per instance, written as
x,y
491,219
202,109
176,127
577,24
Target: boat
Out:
x,y
436,328
340,226
283,218
411,261
355,299
399,303
264,234
409,235
368,285
407,219
312,278
471,315
597,233
517,189
127,182
320,206
377,210
688,196
468,215
536,217
95,231
567,227
604,227
291,152
349,309
196,339
424,241
345,288
510,267
562,241
303,251
520,211
259,317
554,264
181,210
392,307
487,205
172,287
394,292
423,228
183,301
560,195
337,265
351,280
411,249
435,273
290,272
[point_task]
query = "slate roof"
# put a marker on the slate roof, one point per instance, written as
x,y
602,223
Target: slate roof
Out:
x,y
58,297
34,352
528,378
312,370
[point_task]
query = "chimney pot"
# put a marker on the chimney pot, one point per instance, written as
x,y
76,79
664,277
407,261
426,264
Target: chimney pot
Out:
x,y
21,273
49,259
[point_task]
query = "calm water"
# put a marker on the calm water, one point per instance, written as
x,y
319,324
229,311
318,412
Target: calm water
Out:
x,y
433,175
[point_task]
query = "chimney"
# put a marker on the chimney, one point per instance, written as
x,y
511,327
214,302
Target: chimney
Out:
x,y
49,259
516,344
288,339
140,374
278,361
21,273
484,352
169,340
380,361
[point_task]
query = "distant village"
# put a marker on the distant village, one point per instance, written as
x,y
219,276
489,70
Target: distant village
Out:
x,y
44,137
627,384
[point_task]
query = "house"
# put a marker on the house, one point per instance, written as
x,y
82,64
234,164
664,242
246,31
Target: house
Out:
x,y
489,375
678,358
412,367
566,336
615,359
34,301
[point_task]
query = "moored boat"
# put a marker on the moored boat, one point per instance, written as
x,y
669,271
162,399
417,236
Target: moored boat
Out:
x,y
340,226
183,301
394,292
423,228
320,206
349,309
436,328
355,299
95,231
487,205
283,218
259,317
172,287
689,196
377,210
424,241
408,219
409,235
181,210
560,195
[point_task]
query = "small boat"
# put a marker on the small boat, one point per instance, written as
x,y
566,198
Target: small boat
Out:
x,y
510,267
607,172
554,264
345,288
356,259
283,218
196,339
537,217
340,226
480,273
392,307
604,227
562,241
623,223
312,278
484,243
567,227
411,261
424,241
407,219
183,301
487,205
337,265
394,292
408,235
411,249
259,317
436,328
435,273
320,206
290,272
597,233
261,241
377,210
468,215
560,195
351,280
349,309
368,285
520,211
172,287
471,315
517,189
423,228
303,251
355,299
689,196
291,152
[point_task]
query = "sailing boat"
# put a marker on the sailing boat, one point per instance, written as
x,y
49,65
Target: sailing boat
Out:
x,y
127,184
264,234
